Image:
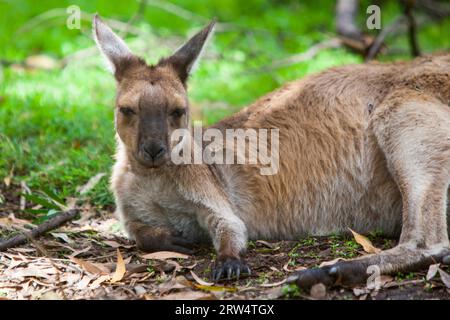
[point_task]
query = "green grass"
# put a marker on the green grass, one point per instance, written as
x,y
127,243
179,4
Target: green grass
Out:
x,y
56,127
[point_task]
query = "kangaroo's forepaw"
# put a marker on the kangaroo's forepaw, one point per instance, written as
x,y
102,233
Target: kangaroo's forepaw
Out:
x,y
341,273
148,242
229,268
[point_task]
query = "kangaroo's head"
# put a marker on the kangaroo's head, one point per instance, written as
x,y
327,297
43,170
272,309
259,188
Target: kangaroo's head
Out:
x,y
151,100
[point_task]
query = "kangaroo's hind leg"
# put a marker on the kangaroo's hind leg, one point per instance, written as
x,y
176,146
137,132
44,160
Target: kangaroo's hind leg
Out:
x,y
413,131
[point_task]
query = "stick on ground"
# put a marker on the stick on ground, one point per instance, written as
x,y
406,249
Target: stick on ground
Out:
x,y
48,225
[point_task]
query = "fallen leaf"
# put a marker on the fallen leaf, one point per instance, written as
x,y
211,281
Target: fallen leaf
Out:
x,y
274,269
275,284
200,281
50,295
329,263
432,270
120,268
269,245
365,243
216,288
97,282
163,255
189,295
275,293
83,283
318,291
286,268
385,279
78,252
174,284
445,277
23,250
88,266
62,236
112,243
172,265
31,272
12,221
360,291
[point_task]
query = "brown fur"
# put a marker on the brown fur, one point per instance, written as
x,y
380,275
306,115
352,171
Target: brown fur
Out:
x,y
365,147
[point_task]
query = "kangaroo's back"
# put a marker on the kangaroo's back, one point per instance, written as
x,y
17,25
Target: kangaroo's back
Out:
x,y
329,159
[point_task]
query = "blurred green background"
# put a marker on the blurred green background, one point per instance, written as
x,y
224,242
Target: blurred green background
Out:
x,y
56,98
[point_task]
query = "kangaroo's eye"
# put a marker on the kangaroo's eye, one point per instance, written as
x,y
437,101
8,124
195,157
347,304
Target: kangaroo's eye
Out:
x,y
177,113
127,111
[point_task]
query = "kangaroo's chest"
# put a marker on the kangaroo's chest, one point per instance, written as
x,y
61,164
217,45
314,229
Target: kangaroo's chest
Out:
x,y
163,197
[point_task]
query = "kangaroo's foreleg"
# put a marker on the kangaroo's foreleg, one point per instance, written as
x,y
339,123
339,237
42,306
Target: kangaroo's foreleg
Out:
x,y
413,132
229,236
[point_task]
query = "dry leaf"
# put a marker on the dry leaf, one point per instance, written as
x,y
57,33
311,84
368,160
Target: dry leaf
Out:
x,y
268,244
216,288
360,291
78,252
97,282
385,279
62,236
163,255
432,271
188,295
275,284
274,269
111,243
83,283
365,243
88,266
200,281
445,277
50,295
12,221
318,291
31,272
120,268
331,262
286,268
174,284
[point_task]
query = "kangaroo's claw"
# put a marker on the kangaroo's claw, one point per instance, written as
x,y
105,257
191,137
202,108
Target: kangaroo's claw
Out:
x,y
229,268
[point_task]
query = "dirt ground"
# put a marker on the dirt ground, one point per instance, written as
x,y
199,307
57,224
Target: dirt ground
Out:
x,y
89,258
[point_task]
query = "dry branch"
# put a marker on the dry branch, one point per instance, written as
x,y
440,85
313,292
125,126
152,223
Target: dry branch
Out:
x,y
346,12
41,229
378,42
412,27
304,56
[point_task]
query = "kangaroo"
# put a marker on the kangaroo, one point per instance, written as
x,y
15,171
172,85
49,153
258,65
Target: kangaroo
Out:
x,y
365,147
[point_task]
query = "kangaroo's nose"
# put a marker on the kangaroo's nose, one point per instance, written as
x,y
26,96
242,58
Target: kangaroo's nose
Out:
x,y
154,150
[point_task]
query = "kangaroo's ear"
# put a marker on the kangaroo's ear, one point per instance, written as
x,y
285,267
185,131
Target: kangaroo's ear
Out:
x,y
114,49
185,59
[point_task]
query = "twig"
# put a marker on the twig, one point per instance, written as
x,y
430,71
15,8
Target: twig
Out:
x,y
412,27
48,225
138,15
304,56
61,13
177,10
379,40
435,9
346,12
